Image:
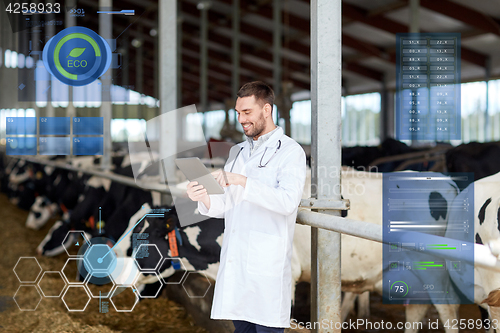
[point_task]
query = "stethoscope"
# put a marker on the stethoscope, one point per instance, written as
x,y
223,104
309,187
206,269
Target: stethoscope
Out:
x,y
260,163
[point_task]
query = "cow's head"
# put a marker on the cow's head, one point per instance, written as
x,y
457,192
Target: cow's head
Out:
x,y
158,229
493,298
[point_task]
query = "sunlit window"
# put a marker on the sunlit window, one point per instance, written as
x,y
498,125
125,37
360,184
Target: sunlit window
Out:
x,y
7,58
124,130
193,130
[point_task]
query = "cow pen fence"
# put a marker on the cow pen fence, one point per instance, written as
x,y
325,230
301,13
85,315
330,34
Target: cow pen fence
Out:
x,y
436,154
484,256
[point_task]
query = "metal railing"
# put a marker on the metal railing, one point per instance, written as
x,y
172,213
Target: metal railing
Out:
x,y
413,157
145,185
483,256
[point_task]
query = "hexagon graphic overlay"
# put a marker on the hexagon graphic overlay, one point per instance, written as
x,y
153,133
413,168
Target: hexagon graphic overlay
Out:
x,y
27,269
27,298
52,284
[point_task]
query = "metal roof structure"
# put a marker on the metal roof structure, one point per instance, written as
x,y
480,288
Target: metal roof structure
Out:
x,y
368,41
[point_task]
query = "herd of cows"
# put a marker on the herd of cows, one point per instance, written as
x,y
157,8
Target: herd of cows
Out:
x,y
74,198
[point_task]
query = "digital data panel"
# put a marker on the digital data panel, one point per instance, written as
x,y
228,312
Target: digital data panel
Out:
x,y
88,126
20,126
87,146
55,146
420,209
56,135
55,126
428,86
21,145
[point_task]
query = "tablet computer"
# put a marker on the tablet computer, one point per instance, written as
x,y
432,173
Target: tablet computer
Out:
x,y
194,170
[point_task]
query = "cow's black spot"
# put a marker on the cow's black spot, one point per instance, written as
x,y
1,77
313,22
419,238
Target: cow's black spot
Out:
x,y
37,215
438,205
478,239
498,219
482,211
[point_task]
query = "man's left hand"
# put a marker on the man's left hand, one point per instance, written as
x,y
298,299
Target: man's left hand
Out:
x,y
229,178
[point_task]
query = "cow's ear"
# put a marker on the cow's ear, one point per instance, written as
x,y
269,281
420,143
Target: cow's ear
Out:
x,y
170,223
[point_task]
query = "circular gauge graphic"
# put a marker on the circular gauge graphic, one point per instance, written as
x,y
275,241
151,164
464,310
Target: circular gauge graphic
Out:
x,y
399,289
100,260
77,56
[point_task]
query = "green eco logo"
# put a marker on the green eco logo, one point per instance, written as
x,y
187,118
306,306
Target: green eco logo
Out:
x,y
77,56
76,52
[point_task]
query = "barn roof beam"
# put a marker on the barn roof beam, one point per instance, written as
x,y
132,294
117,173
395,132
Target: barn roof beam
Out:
x,y
266,10
214,70
382,10
382,23
304,26
464,14
366,48
191,31
247,29
245,48
364,71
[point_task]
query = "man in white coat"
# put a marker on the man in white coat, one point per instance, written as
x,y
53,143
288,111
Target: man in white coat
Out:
x,y
263,181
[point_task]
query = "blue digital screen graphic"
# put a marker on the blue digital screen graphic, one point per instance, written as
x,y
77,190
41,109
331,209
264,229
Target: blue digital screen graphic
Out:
x,y
54,125
428,231
428,104
77,56
20,126
55,146
88,126
87,146
21,145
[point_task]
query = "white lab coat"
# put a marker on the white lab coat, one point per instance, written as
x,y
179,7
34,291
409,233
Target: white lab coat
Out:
x,y
254,277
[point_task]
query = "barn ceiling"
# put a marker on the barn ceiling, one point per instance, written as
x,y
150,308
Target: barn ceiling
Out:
x,y
368,41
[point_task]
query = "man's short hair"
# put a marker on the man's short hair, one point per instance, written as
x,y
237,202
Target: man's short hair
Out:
x,y
262,92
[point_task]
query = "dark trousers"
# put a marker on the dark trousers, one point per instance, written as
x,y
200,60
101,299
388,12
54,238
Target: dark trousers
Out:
x,y
246,327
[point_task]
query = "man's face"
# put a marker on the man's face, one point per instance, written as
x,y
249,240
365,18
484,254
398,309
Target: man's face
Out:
x,y
250,116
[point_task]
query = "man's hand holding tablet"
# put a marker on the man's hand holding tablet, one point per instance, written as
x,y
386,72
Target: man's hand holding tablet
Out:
x,y
229,178
197,192
201,184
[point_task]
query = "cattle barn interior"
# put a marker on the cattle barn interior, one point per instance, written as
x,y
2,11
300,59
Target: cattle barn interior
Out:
x,y
333,67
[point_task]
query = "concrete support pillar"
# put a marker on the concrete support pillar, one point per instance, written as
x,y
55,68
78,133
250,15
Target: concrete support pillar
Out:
x,y
70,109
50,31
414,16
106,32
203,6
487,123
139,70
386,112
235,56
168,81
326,89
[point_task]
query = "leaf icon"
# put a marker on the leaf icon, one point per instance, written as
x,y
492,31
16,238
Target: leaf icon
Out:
x,y
76,52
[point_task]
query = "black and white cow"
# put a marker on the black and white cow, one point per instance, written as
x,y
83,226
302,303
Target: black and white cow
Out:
x,y
20,183
361,158
61,195
361,260
480,158
117,202
93,193
487,231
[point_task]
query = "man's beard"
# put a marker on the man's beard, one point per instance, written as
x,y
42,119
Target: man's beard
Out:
x,y
257,127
